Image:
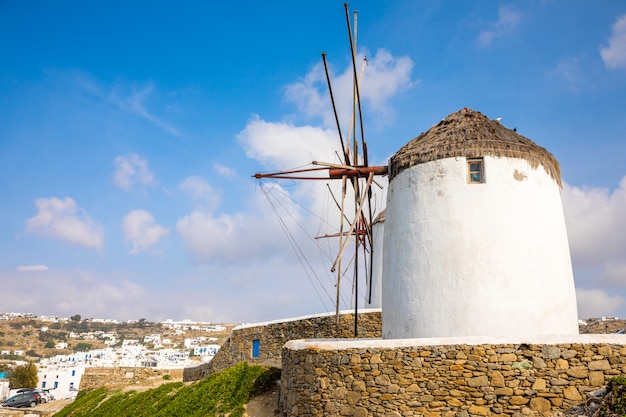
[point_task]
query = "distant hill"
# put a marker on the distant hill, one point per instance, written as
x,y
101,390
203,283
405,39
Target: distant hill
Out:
x,y
37,338
600,326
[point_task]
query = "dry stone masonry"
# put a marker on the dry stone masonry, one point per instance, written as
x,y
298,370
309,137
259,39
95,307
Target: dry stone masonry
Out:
x,y
448,377
272,336
122,377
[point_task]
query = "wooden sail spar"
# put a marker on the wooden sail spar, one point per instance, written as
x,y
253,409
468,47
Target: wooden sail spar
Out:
x,y
354,169
333,173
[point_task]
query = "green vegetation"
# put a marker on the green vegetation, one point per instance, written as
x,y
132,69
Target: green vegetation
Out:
x,y
23,376
223,393
614,403
83,347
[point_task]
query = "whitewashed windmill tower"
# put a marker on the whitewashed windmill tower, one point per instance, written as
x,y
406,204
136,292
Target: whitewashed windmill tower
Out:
x,y
474,236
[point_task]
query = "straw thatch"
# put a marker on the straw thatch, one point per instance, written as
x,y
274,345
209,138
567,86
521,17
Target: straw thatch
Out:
x,y
470,134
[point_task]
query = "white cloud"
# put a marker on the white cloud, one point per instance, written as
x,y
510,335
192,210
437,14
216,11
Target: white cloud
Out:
x,y
508,21
224,171
141,230
69,292
614,55
23,268
597,303
596,227
596,223
284,146
201,190
131,169
383,77
246,236
63,220
222,294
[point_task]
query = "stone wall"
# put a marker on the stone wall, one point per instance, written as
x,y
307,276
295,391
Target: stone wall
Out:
x,y
447,377
273,335
115,378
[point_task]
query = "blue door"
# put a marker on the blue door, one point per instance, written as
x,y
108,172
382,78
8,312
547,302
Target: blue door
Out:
x,y
256,347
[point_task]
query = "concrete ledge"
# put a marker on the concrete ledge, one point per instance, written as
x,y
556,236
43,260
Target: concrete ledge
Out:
x,y
331,344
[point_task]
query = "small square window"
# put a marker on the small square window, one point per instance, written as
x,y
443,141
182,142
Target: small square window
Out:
x,y
475,174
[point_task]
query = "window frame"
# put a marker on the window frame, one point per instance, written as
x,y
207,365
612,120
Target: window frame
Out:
x,y
480,171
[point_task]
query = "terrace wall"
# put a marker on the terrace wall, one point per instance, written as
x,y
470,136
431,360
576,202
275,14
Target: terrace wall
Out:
x,y
452,377
273,335
116,378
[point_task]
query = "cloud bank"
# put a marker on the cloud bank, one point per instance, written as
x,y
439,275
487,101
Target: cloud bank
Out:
x,y
596,226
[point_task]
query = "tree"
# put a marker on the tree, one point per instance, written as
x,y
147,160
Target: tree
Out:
x,y
32,354
75,317
83,347
24,376
50,344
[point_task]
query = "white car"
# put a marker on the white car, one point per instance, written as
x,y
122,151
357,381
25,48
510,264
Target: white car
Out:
x,y
46,395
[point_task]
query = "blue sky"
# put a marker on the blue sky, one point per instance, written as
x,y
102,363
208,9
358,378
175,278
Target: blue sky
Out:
x,y
129,132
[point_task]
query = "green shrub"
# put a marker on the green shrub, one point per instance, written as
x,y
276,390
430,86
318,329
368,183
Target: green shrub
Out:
x,y
614,403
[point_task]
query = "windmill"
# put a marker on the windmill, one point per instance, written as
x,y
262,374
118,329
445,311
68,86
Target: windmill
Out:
x,y
354,169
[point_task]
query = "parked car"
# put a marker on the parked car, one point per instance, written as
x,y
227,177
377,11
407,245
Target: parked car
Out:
x,y
24,399
46,395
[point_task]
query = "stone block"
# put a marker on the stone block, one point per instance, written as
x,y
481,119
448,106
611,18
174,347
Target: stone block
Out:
x,y
538,363
578,372
497,379
571,393
601,365
479,381
551,352
518,400
596,378
353,398
540,404
539,385
504,391
360,412
478,410
561,364
508,357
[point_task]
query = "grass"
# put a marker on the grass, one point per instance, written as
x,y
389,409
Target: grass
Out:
x,y
221,394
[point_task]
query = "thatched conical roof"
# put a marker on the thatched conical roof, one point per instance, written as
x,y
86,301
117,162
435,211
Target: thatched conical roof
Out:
x,y
470,134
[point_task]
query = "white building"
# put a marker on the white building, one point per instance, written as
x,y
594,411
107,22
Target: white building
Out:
x,y
62,378
475,240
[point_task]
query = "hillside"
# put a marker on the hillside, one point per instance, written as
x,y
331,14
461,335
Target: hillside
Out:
x,y
222,393
36,338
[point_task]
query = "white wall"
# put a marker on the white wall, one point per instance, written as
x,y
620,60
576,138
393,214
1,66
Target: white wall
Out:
x,y
64,375
378,230
476,259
